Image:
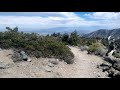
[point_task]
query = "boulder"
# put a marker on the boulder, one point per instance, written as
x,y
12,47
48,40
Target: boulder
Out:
x,y
23,55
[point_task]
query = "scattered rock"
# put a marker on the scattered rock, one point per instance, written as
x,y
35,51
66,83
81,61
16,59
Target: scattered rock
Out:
x,y
116,65
111,72
54,61
117,73
104,67
108,64
51,65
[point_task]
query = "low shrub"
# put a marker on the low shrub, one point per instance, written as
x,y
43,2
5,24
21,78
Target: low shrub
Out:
x,y
100,51
97,49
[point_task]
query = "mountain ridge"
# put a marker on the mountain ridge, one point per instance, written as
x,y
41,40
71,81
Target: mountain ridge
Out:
x,y
104,33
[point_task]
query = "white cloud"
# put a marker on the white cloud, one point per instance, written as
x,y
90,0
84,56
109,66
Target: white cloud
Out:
x,y
105,19
59,19
104,15
42,20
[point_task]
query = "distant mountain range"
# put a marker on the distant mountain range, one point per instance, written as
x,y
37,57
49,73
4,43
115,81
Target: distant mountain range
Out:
x,y
104,33
57,29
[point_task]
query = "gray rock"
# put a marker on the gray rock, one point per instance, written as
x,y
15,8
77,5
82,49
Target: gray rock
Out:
x,y
117,73
113,72
104,66
2,65
23,55
51,65
116,65
108,64
5,66
54,61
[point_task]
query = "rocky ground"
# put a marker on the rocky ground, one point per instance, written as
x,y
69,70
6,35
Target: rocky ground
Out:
x,y
85,66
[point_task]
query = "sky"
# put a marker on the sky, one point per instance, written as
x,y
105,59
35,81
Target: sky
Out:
x,y
48,20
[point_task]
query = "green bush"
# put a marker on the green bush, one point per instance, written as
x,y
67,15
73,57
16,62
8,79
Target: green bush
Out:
x,y
100,51
93,48
58,50
6,44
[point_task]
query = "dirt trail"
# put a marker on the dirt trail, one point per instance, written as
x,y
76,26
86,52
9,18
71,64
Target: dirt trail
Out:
x,y
85,66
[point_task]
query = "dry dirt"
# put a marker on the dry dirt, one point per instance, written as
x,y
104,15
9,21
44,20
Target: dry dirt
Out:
x,y
85,66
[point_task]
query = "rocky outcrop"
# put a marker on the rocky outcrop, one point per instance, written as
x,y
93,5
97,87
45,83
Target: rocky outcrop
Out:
x,y
112,67
116,65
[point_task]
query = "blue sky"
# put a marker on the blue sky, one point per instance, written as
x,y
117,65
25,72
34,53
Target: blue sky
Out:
x,y
48,20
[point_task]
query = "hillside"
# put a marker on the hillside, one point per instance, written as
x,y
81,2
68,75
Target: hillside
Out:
x,y
104,33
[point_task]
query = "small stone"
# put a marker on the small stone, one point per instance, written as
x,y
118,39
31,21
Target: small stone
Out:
x,y
51,65
5,66
94,72
98,66
29,60
48,69
98,75
55,62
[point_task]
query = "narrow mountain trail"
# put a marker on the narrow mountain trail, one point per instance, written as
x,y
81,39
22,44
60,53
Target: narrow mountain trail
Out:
x,y
84,66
